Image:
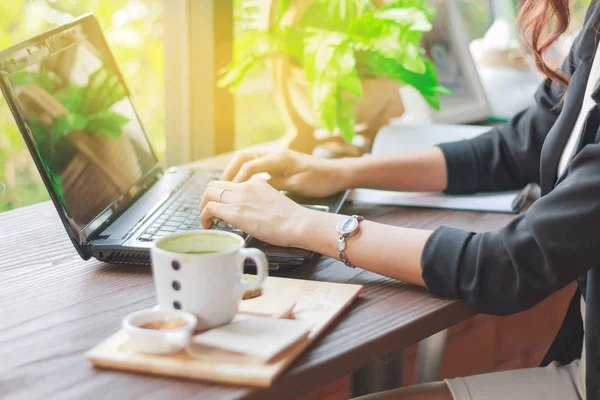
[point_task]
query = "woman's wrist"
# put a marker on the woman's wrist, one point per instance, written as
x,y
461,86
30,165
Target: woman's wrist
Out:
x,y
347,171
316,231
422,171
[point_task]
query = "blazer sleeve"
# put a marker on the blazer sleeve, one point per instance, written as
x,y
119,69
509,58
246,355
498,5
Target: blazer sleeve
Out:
x,y
506,158
539,252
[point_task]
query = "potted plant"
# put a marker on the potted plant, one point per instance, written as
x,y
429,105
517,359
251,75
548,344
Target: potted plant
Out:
x,y
336,65
79,136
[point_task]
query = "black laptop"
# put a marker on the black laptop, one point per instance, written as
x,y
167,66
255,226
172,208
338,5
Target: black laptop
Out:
x,y
79,122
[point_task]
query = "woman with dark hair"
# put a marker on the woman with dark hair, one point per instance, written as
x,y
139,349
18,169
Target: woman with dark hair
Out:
x,y
555,143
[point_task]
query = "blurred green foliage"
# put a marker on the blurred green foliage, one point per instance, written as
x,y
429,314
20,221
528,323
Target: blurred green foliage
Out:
x,y
87,110
256,116
336,43
134,30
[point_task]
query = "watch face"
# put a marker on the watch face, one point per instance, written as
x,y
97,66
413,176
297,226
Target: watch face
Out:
x,y
347,225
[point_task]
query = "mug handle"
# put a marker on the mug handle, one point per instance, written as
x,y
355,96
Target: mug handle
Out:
x,y
262,268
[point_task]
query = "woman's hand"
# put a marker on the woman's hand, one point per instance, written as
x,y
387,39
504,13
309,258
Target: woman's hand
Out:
x,y
297,173
256,208
263,212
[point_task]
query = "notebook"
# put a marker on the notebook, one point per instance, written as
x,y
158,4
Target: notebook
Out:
x,y
401,139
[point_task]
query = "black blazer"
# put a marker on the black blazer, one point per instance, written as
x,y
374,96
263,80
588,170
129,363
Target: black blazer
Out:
x,y
557,240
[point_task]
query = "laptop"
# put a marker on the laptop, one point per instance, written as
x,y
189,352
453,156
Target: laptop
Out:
x,y
79,122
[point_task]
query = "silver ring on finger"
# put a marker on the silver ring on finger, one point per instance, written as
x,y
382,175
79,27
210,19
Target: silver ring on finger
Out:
x,y
221,195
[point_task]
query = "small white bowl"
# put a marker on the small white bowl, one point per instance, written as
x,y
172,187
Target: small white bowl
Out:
x,y
154,341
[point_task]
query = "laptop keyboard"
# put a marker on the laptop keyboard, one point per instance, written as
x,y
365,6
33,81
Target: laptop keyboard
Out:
x,y
183,213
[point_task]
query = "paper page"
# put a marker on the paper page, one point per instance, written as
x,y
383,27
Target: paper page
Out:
x,y
393,140
492,202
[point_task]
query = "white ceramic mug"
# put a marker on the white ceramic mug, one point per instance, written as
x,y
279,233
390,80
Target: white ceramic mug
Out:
x,y
201,272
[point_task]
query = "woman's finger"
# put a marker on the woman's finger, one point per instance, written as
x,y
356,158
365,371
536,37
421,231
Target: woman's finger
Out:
x,y
279,182
217,195
214,210
234,166
223,185
271,164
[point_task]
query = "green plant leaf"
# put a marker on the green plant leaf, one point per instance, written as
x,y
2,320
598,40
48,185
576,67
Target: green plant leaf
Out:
x,y
319,52
352,84
413,18
444,91
345,11
324,100
330,67
66,124
427,83
348,78
235,73
390,39
413,59
290,41
250,49
70,97
384,44
48,81
284,5
107,123
346,117
333,15
102,91
422,5
321,47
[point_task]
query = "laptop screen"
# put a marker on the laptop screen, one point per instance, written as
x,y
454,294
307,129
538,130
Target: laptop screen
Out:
x,y
81,120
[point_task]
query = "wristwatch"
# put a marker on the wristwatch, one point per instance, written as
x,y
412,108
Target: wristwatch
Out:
x,y
347,227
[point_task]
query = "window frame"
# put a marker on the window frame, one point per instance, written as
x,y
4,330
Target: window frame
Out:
x,y
198,42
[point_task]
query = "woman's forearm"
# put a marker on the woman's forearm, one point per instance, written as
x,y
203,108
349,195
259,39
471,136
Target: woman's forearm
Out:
x,y
387,250
422,171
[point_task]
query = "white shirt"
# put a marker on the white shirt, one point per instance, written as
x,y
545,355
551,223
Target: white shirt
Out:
x,y
565,158
588,104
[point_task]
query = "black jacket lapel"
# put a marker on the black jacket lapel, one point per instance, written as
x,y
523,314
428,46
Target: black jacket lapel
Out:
x,y
559,134
583,56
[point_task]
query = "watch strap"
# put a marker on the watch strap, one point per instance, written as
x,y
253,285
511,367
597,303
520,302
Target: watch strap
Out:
x,y
342,243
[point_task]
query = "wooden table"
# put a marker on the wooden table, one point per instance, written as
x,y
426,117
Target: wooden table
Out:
x,y
54,307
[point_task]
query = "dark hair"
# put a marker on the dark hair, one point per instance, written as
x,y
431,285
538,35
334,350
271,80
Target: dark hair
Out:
x,y
534,18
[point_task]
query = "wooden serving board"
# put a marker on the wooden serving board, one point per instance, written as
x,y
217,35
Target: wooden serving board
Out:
x,y
317,303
